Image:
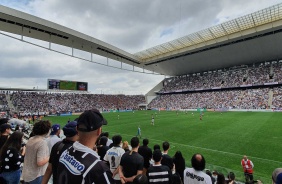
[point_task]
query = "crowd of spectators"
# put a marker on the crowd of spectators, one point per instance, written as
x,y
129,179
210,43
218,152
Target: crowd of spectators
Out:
x,y
3,102
72,102
229,99
277,98
235,77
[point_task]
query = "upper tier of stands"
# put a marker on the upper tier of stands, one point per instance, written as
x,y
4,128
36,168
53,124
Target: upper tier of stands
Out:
x,y
231,99
262,74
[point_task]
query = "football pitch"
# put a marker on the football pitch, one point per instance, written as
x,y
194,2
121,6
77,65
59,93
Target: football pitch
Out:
x,y
223,138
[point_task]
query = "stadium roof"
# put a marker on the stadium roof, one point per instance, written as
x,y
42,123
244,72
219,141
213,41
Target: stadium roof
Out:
x,y
255,37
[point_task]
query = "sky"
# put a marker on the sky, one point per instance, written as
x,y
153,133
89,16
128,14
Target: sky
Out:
x,y
130,25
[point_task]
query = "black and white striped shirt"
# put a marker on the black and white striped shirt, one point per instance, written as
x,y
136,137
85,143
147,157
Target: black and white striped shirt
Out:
x,y
159,174
80,164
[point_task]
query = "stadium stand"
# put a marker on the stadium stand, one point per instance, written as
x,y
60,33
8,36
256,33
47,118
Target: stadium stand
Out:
x,y
51,103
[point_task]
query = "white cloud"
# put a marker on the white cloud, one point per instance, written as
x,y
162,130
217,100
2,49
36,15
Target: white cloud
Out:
x,y
129,25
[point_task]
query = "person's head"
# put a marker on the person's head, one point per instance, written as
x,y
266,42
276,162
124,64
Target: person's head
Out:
x,y
165,146
198,162
55,130
3,121
231,176
140,179
5,129
220,179
178,155
117,140
106,134
134,142
156,146
70,129
125,145
245,157
208,172
103,140
145,142
42,127
157,155
277,176
89,124
14,141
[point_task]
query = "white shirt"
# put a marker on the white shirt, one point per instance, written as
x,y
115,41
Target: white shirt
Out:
x,y
113,156
191,176
52,140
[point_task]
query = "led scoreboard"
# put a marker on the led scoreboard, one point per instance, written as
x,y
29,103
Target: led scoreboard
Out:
x,y
54,84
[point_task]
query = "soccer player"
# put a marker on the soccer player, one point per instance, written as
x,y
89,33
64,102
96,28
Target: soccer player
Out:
x,y
153,120
139,132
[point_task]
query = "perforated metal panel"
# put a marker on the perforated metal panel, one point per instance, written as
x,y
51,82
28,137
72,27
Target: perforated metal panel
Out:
x,y
249,21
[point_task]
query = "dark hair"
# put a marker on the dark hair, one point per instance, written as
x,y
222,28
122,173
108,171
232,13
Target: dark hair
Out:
x,y
14,141
157,155
156,146
103,140
140,179
198,162
116,140
231,176
106,134
220,179
165,146
179,163
145,142
41,127
4,121
134,142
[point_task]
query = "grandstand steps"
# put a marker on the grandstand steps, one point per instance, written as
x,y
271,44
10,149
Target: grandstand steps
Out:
x,y
10,104
270,97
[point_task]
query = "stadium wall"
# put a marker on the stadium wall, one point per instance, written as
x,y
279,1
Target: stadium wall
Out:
x,y
153,92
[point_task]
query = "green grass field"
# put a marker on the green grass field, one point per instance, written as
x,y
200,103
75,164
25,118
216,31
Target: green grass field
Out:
x,y
223,139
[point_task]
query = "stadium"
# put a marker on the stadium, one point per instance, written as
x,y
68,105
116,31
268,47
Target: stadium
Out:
x,y
221,96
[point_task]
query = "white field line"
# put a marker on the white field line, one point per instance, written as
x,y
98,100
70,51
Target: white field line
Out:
x,y
223,152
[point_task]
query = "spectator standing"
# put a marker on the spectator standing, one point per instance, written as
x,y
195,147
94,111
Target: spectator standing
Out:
x,y
221,179
247,167
195,174
277,176
109,141
37,153
54,136
5,132
113,156
131,163
102,148
179,164
125,146
71,136
167,160
88,167
231,178
12,156
146,153
158,173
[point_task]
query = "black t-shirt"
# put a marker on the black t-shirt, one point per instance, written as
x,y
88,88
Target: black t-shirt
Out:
x,y
80,164
56,152
146,153
102,150
167,160
131,162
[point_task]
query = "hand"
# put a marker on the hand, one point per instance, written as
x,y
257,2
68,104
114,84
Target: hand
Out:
x,y
23,150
